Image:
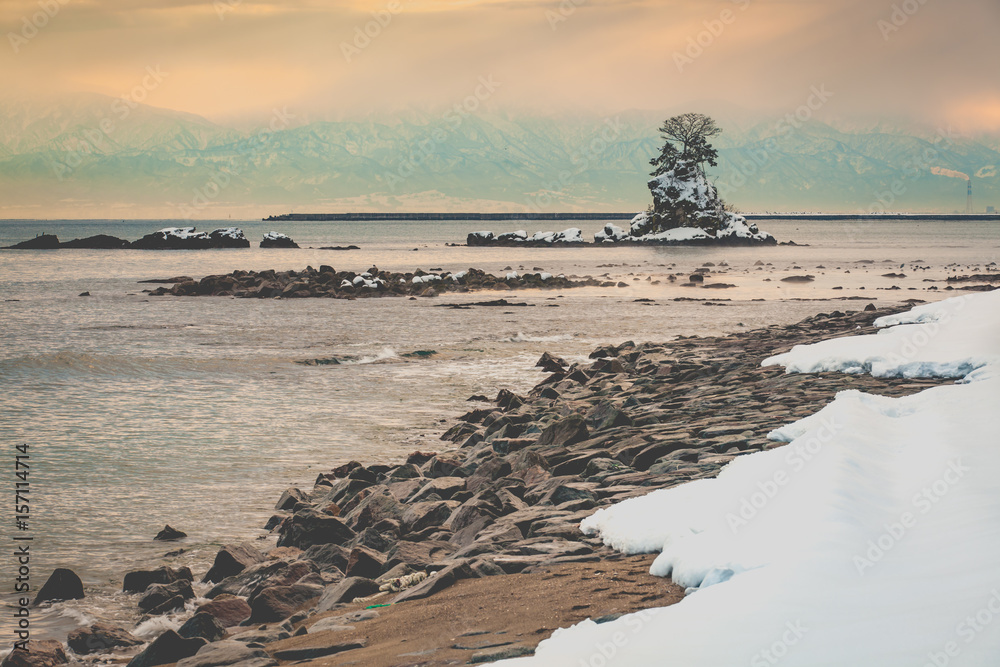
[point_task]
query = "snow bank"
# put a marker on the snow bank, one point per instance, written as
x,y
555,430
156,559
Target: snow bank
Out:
x,y
870,540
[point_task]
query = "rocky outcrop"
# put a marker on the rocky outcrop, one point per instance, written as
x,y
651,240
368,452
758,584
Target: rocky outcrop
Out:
x,y
98,242
277,240
41,653
188,238
169,534
373,283
167,648
232,560
686,210
140,580
521,239
40,242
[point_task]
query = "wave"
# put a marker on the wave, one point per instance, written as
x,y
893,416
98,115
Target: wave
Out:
x,y
522,338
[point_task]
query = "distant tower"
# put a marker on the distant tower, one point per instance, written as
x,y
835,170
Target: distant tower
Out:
x,y
968,199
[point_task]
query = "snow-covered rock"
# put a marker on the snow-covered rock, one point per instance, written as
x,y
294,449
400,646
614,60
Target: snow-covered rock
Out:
x,y
277,240
228,237
174,238
611,233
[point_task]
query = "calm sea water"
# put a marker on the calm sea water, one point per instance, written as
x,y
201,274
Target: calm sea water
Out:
x,y
142,411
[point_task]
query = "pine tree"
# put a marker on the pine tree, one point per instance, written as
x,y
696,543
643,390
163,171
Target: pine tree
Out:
x,y
686,141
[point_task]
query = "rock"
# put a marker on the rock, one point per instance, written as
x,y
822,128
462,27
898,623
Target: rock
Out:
x,y
419,555
97,242
445,487
500,653
62,584
870,308
140,580
550,363
279,602
99,638
41,653
798,279
312,653
424,515
203,624
168,647
259,576
565,432
173,238
169,533
309,528
232,560
84,294
345,591
158,594
228,652
229,237
328,557
365,563
228,609
437,582
40,242
290,498
277,240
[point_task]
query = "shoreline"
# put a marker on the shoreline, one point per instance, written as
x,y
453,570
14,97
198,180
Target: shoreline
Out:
x,y
639,398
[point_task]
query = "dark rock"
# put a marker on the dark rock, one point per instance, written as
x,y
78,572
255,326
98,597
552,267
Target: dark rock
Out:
x,y
328,557
257,577
41,653
365,563
231,560
98,242
228,609
290,498
312,653
550,363
279,602
419,555
84,294
500,653
140,580
345,591
229,652
306,529
277,240
99,638
565,432
62,584
427,514
437,582
157,594
40,242
168,534
168,647
203,624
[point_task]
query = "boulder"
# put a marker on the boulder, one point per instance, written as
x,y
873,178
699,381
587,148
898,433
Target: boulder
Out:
x,y
309,528
232,560
173,238
203,624
228,609
158,594
427,514
62,584
279,602
167,648
437,582
565,432
328,557
277,240
169,534
41,653
40,242
551,364
140,580
98,242
100,638
228,652
345,591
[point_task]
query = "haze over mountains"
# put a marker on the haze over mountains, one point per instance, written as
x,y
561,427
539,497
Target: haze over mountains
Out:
x,y
92,156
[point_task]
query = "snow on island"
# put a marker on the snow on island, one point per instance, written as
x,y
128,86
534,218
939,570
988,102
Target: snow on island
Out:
x,y
686,210
277,240
188,238
870,539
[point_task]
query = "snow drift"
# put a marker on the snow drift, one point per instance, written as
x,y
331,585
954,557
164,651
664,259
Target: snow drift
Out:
x,y
870,539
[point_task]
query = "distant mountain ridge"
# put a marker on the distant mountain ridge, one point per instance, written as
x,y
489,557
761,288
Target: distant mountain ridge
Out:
x,y
92,152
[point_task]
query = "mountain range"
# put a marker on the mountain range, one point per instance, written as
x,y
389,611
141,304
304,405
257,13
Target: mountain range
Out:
x,y
100,157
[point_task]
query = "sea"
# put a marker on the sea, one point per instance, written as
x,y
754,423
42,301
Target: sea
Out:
x,y
141,411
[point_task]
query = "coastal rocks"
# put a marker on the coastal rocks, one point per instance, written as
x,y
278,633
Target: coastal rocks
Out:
x,y
188,238
228,609
163,598
345,591
521,238
97,242
277,240
62,584
100,638
231,560
169,534
204,625
228,652
167,648
40,242
279,602
306,529
373,283
42,653
140,580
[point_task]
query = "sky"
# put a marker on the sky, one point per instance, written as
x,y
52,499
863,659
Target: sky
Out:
x,y
929,61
